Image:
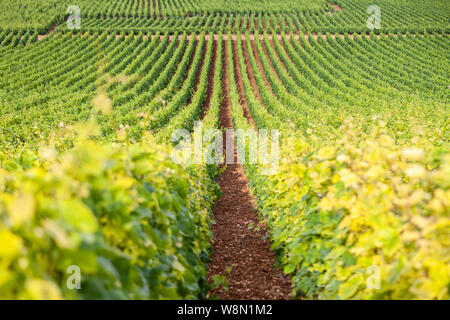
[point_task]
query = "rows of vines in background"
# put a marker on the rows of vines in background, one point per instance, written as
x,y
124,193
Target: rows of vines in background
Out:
x,y
164,8
40,16
416,16
31,15
161,80
396,16
357,77
325,81
214,16
320,21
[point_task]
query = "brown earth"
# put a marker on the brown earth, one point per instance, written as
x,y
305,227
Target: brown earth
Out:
x,y
258,61
240,85
336,7
241,254
283,48
191,59
264,24
205,106
52,28
149,8
154,9
276,55
250,72
160,9
197,76
256,23
268,59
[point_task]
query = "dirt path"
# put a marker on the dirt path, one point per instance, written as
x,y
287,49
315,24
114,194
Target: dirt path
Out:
x,y
238,249
149,5
336,7
212,71
154,9
160,9
191,59
283,49
52,28
275,53
256,23
197,76
261,68
240,85
263,46
250,72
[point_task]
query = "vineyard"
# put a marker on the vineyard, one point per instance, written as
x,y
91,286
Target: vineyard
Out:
x,y
87,124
